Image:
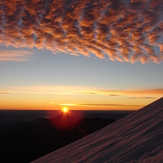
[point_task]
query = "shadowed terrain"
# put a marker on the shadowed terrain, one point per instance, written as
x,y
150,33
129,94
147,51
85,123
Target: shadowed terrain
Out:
x,y
24,142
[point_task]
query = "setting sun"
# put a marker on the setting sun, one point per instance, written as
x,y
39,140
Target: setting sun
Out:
x,y
65,109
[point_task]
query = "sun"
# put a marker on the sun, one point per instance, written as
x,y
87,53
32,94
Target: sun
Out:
x,y
65,109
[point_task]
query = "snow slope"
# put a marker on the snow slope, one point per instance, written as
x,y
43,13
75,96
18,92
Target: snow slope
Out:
x,y
137,137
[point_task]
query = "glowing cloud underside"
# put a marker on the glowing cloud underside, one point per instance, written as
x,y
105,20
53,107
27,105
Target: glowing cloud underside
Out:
x,y
123,30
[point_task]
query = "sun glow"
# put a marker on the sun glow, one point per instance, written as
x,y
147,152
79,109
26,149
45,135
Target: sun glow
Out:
x,y
65,109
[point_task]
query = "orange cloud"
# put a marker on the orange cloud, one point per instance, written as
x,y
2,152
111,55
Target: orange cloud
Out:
x,y
15,55
109,105
124,30
161,47
4,92
125,92
74,90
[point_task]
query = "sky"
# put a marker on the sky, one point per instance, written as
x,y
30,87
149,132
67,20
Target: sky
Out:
x,y
86,55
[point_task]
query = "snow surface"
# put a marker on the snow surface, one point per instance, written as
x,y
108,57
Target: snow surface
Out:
x,y
137,137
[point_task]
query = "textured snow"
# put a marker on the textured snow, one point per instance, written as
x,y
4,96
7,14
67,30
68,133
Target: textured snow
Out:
x,y
137,137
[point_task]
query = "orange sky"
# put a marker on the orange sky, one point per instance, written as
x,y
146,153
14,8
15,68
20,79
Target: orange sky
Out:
x,y
53,97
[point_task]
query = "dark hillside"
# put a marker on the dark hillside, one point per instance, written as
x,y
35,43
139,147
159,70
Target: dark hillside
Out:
x,y
24,142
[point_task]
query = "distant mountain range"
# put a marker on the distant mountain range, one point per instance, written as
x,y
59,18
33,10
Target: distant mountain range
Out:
x,y
9,117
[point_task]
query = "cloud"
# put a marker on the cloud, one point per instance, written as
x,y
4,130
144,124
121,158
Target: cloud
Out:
x,y
75,90
4,92
108,105
158,91
16,55
124,92
68,104
44,89
123,30
142,98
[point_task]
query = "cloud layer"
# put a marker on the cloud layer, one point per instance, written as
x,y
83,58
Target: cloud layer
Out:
x,y
122,30
15,55
72,90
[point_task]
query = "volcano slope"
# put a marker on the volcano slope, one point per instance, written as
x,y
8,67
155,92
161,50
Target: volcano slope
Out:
x,y
137,137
